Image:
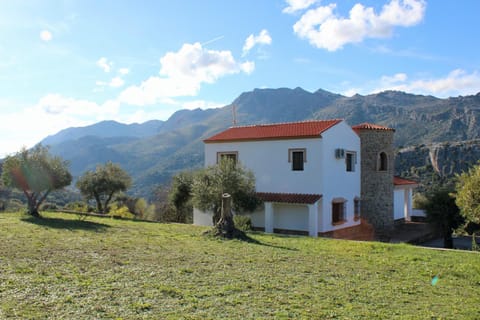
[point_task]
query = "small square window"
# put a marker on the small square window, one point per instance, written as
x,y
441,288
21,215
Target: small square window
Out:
x,y
297,157
233,155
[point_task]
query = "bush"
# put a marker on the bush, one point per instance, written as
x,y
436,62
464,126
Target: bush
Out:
x,y
14,205
48,206
243,223
120,212
77,206
420,201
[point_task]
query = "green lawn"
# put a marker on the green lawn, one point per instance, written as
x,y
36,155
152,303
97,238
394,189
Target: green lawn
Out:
x,y
102,268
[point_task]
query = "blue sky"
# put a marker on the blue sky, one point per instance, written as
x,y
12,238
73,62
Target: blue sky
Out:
x,y
76,62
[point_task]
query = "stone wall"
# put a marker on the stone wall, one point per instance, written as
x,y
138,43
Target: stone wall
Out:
x,y
376,185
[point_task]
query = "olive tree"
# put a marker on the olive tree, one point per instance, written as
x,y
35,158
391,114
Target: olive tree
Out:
x,y
212,185
37,173
180,195
443,213
103,183
468,196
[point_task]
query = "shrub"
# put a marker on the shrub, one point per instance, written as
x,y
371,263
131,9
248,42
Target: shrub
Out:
x,y
77,206
420,201
120,212
243,223
48,206
14,205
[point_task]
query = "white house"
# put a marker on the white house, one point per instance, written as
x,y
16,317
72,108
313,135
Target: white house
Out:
x,y
308,174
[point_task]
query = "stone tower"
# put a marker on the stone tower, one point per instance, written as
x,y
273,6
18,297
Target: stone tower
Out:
x,y
377,157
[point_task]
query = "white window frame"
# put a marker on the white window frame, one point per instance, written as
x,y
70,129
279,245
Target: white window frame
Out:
x,y
290,157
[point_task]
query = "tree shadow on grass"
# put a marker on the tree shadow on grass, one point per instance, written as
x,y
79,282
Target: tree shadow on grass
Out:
x,y
58,223
255,241
242,236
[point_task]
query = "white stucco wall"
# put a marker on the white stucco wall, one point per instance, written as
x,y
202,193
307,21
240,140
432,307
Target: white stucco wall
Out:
x,y
258,217
398,204
402,202
269,162
290,217
337,182
201,218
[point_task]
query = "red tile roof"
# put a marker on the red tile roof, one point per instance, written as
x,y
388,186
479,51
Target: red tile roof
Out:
x,y
397,181
371,126
292,130
299,198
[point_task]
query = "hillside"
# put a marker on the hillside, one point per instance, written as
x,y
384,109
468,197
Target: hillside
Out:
x,y
152,152
106,129
438,162
63,268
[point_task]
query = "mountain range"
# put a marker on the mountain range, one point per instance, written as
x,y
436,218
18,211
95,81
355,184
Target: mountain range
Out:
x,y
155,150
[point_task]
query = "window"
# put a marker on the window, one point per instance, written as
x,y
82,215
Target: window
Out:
x,y
338,211
382,161
356,208
297,157
233,155
350,160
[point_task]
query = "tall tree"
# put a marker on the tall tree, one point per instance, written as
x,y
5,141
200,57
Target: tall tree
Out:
x,y
103,183
211,186
37,173
4,193
468,196
443,213
180,195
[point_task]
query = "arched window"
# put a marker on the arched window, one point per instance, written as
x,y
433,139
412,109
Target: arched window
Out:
x,y
382,161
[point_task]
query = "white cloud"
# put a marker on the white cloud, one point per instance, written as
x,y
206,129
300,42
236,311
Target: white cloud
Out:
x,y
202,104
396,78
182,74
262,38
247,67
123,71
296,5
46,35
116,82
52,113
323,29
194,62
350,92
104,64
457,82
56,104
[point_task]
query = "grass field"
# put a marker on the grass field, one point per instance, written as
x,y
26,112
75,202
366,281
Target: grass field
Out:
x,y
63,268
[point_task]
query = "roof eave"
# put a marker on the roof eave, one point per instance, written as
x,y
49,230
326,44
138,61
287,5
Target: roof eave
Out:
x,y
263,139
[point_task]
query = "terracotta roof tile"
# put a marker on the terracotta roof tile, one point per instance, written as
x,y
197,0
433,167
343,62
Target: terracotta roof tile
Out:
x,y
289,197
292,130
397,181
371,126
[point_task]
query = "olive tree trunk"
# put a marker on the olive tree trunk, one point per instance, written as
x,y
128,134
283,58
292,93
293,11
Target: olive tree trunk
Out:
x,y
225,224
